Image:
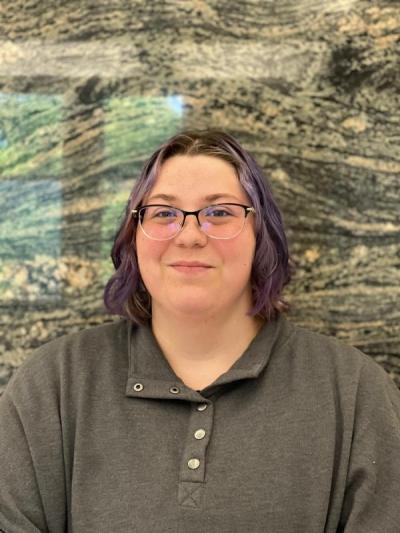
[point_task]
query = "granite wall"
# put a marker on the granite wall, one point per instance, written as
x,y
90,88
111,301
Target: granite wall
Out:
x,y
88,89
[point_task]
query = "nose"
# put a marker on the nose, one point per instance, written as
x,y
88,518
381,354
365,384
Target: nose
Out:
x,y
191,233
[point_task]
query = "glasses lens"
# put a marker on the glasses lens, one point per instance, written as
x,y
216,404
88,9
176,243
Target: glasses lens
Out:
x,y
222,221
160,222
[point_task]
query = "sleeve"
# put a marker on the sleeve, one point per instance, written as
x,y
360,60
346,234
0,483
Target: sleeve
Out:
x,y
32,486
372,495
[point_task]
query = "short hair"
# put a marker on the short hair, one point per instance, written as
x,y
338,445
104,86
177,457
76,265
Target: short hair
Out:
x,y
125,293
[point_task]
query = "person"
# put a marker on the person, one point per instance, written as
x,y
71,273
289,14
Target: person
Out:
x,y
202,408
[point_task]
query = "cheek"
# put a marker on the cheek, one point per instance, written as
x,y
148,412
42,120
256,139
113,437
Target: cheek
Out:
x,y
148,252
238,255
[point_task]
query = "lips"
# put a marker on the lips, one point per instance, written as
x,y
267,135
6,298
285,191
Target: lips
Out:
x,y
188,268
191,264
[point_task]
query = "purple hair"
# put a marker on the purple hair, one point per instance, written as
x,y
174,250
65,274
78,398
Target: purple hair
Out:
x,y
125,293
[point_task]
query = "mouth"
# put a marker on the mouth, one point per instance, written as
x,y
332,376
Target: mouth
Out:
x,y
190,264
191,267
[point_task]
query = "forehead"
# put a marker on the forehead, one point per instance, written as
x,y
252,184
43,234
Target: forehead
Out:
x,y
197,177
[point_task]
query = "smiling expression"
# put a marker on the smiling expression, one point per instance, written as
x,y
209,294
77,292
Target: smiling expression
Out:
x,y
192,273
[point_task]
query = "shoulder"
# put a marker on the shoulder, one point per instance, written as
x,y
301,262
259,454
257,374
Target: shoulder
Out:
x,y
88,343
329,372
327,357
74,354
314,344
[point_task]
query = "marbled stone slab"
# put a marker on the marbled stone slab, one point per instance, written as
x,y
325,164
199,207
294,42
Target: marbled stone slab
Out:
x,y
88,90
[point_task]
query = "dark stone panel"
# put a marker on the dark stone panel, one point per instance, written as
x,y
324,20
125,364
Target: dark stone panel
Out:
x,y
89,89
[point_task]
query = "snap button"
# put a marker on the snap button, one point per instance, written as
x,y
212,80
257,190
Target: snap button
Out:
x,y
174,390
138,387
193,464
199,434
202,407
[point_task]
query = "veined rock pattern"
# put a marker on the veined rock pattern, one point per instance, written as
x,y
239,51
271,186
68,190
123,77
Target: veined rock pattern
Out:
x,y
88,90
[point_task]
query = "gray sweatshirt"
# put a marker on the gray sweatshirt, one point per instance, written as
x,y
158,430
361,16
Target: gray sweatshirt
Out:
x,y
98,434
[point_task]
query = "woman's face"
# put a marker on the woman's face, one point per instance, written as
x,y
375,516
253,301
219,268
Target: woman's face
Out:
x,y
223,287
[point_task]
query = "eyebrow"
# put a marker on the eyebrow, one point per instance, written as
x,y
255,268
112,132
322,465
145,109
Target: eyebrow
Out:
x,y
209,198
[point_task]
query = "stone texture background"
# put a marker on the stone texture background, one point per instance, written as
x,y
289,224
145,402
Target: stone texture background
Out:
x,y
89,89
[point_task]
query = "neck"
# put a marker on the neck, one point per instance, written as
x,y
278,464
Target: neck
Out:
x,y
199,350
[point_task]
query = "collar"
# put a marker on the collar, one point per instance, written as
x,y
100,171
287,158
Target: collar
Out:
x,y
151,376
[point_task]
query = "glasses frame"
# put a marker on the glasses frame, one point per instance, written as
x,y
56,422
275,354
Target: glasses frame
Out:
x,y
136,213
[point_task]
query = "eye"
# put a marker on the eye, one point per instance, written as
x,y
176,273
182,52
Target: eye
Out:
x,y
165,214
218,211
162,212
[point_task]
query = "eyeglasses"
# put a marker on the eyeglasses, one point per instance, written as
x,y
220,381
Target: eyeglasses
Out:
x,y
219,221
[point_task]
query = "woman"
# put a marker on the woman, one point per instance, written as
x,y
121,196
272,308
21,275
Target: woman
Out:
x,y
203,409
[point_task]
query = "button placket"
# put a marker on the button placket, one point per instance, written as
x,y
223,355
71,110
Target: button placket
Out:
x,y
194,455
140,387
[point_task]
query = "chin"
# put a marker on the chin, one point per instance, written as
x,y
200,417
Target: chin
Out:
x,y
189,305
